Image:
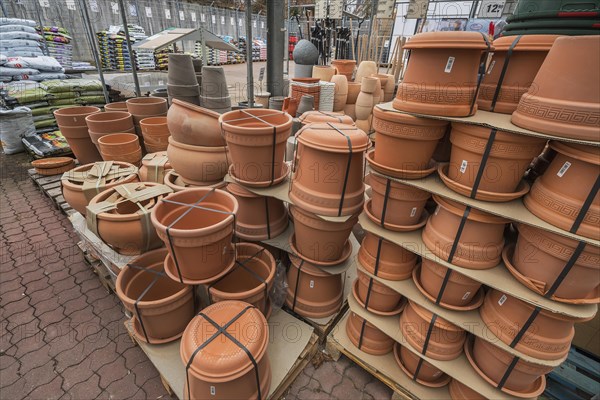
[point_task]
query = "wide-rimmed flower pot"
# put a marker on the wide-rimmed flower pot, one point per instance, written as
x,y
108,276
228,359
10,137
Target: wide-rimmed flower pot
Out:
x,y
340,93
395,262
78,137
195,125
427,374
155,132
198,165
566,107
481,241
109,122
118,144
256,139
154,167
323,72
344,67
164,307
74,117
311,117
222,368
382,299
118,106
460,391
445,341
559,194
174,181
371,340
312,292
197,226
250,279
327,179
441,75
181,70
365,69
81,184
460,291
259,217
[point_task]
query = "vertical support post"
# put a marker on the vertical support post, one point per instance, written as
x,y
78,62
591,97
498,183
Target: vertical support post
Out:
x,y
474,8
275,37
250,72
374,4
136,81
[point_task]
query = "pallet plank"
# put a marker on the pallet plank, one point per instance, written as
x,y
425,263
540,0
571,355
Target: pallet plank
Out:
x,y
568,375
587,364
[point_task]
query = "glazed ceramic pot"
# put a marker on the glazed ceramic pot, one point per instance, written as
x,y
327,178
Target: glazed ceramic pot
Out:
x,y
258,217
558,195
344,67
460,391
353,92
256,139
481,241
311,117
428,375
121,147
540,256
365,69
164,307
323,72
198,165
250,280
373,341
405,142
567,107
520,58
148,106
118,106
198,239
441,75
154,167
155,132
221,369
328,169
395,263
341,92
71,123
81,184
381,299
191,124
174,181
459,290
312,292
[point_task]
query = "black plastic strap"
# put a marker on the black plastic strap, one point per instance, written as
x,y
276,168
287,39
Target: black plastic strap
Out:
x,y
346,176
297,282
158,275
482,164
378,256
268,219
508,371
480,73
565,271
368,294
438,300
586,206
525,326
459,231
503,72
388,188
362,332
425,346
273,155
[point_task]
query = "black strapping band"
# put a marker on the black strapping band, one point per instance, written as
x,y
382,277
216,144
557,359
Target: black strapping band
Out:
x,y
158,275
565,271
362,332
346,176
526,326
425,346
268,219
297,282
480,73
586,206
388,188
484,160
509,370
503,72
459,231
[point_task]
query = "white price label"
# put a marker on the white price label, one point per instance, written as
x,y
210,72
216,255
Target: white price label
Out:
x,y
222,20
466,295
70,4
502,300
193,15
94,6
413,212
232,21
213,391
181,16
311,284
491,67
449,65
114,7
44,3
491,8
167,13
463,166
149,12
563,170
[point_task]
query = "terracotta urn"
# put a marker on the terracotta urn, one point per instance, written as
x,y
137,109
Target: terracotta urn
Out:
x,y
250,280
155,132
460,391
353,92
310,117
559,194
161,305
539,258
328,169
198,165
256,139
517,60
117,106
373,340
446,339
323,72
220,366
154,167
365,69
121,147
364,105
81,184
259,217
459,292
195,125
381,299
71,123
174,181
197,226
427,375
566,107
392,262
312,292
344,67
481,241
441,75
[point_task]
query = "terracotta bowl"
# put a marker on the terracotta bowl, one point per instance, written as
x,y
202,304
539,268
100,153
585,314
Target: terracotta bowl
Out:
x,y
198,165
373,340
395,263
382,300
428,375
147,106
194,125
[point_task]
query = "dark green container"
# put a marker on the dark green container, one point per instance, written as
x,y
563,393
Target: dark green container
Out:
x,y
535,9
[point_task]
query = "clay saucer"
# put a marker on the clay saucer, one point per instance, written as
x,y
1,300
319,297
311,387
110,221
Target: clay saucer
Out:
x,y
475,303
399,173
442,381
139,333
392,227
399,308
286,169
345,254
538,387
507,253
171,271
482,195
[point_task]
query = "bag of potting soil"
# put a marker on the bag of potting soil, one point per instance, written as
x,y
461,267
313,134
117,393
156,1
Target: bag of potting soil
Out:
x,y
17,21
43,63
54,86
16,124
42,76
47,144
5,71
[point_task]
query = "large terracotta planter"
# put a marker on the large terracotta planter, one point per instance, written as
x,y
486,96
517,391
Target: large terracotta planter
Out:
x,y
345,67
155,132
199,242
428,375
395,263
558,195
311,117
258,217
566,107
198,165
520,59
481,241
164,309
446,340
311,292
154,167
256,139
460,391
327,179
250,280
222,369
147,106
382,299
71,123
195,125
373,341
441,75
121,147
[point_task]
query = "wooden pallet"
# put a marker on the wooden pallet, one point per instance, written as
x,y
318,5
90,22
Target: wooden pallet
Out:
x,y
51,186
578,378
98,267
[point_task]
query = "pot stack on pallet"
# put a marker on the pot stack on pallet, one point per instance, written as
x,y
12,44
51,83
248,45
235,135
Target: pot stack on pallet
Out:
x,y
492,314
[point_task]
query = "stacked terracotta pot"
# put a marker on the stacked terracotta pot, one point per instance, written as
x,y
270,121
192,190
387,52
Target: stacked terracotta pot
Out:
x,y
108,122
146,107
215,93
72,124
155,132
182,83
121,147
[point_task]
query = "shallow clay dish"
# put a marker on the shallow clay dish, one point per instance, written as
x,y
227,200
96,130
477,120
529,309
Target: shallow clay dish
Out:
x,y
395,228
345,254
398,173
399,308
475,303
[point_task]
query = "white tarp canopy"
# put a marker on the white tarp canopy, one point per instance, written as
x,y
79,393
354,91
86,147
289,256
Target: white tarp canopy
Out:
x,y
172,35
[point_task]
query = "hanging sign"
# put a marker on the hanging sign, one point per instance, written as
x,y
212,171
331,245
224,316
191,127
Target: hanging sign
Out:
x,y
132,10
417,9
181,15
149,12
193,15
167,13
44,3
491,8
385,9
114,7
94,6
70,4
321,9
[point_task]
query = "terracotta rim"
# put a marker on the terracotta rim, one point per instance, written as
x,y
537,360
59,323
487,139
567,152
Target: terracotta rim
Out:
x,y
139,334
399,308
174,181
264,184
146,100
191,147
395,228
171,271
399,173
196,108
346,252
154,121
258,114
442,381
577,153
108,140
108,116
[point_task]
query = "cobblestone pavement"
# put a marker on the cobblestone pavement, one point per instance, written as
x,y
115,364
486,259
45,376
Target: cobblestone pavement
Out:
x,y
62,334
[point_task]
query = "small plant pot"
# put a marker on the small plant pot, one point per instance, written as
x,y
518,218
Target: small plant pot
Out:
x,y
427,374
194,125
460,291
118,106
369,84
370,339
198,165
154,167
382,300
78,136
109,122
395,263
117,144
345,67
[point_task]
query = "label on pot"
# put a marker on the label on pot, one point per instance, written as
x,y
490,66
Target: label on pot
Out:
x,y
463,166
449,65
413,212
563,170
491,67
437,210
437,373
466,295
213,391
311,284
502,300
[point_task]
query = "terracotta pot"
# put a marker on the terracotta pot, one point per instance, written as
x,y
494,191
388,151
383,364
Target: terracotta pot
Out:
x,y
312,292
262,99
174,181
74,117
81,184
459,291
378,93
364,125
428,374
365,69
155,131
446,340
390,88
344,67
323,72
373,340
200,241
405,142
382,299
256,139
221,369
567,107
558,195
370,84
118,106
250,280
525,59
100,124
311,117
459,391
165,309
290,106
350,110
117,144
539,258
364,105
154,167
481,242
198,165
353,92
191,124
395,262
341,92
327,179
441,75
259,217
95,136
71,123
